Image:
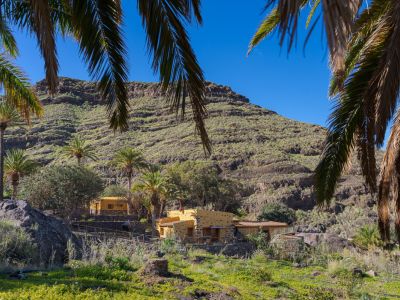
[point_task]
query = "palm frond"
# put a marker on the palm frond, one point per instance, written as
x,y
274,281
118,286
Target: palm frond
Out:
x,y
270,23
174,58
7,38
96,27
347,119
17,89
387,82
312,12
42,26
338,18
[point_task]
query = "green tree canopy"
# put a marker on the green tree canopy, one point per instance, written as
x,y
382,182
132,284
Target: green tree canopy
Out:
x,y
64,188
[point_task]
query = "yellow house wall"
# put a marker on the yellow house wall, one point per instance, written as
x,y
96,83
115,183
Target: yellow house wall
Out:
x,y
117,205
205,218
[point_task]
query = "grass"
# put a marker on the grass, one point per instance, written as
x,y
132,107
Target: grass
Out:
x,y
255,278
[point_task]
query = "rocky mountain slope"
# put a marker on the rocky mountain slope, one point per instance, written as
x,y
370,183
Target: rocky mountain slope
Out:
x,y
272,155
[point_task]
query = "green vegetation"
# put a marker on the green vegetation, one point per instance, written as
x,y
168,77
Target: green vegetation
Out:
x,y
79,149
114,190
17,164
65,188
278,212
16,248
154,187
117,277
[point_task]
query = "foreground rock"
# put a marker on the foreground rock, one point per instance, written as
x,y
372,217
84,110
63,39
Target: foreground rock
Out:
x,y
50,234
331,242
156,267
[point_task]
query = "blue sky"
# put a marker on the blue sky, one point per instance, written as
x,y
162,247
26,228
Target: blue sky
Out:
x,y
293,85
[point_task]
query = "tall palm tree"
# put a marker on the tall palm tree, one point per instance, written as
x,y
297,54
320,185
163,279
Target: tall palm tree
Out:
x,y
17,164
96,26
155,186
365,51
8,115
79,149
129,160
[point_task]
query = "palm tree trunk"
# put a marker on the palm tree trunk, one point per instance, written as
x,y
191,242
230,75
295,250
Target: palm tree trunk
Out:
x,y
130,206
2,129
383,218
155,213
15,190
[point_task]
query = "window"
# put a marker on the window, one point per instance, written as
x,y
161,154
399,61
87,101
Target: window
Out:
x,y
161,231
190,232
110,206
206,231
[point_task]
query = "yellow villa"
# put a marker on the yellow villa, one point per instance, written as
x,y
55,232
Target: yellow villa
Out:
x,y
109,206
204,226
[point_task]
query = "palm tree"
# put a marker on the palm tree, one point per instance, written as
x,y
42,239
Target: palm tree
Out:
x,y
129,160
96,26
17,164
365,86
78,149
155,186
8,115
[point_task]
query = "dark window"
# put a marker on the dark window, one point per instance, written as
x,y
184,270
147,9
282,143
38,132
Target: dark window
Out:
x,y
190,232
110,206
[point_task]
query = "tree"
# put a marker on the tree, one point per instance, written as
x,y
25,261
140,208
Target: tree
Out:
x,y
201,184
96,26
8,115
279,212
66,188
129,160
114,190
18,98
17,164
155,186
78,149
365,58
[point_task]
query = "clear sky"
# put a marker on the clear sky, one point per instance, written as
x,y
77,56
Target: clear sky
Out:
x,y
293,85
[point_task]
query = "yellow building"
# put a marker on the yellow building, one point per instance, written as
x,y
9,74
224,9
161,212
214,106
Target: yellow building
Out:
x,y
204,226
109,206
197,225
271,227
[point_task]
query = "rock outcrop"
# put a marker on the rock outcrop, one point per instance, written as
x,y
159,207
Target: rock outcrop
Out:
x,y
50,234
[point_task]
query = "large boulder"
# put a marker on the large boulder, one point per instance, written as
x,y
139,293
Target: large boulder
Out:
x,y
330,241
49,233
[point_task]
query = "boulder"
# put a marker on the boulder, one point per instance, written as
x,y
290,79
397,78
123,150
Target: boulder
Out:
x,y
156,267
49,233
289,247
332,241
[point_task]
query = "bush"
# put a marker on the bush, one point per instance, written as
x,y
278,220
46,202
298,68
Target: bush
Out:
x,y
260,240
16,246
115,190
64,188
368,236
278,212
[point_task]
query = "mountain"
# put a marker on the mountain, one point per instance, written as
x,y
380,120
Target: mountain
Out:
x,y
273,156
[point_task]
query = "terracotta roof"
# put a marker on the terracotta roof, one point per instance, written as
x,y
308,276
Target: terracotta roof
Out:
x,y
170,224
260,224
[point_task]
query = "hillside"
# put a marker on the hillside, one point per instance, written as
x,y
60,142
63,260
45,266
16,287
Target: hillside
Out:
x,y
270,154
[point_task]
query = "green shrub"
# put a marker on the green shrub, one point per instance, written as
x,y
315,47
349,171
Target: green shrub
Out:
x,y
121,263
279,212
64,188
115,190
367,236
259,239
16,246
